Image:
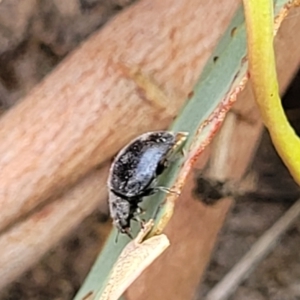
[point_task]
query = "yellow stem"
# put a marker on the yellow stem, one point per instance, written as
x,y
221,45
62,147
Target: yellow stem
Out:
x,y
262,68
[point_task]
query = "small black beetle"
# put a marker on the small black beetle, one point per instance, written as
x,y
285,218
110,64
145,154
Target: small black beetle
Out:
x,y
133,173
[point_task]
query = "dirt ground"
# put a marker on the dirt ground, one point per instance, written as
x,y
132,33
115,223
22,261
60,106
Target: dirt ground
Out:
x,y
278,276
35,37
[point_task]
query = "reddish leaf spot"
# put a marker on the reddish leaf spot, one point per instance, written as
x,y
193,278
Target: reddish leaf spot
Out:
x,y
190,94
233,31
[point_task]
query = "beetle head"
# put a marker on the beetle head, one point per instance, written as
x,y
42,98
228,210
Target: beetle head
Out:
x,y
121,213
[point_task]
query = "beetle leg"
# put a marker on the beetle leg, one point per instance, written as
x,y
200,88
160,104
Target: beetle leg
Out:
x,y
162,165
151,191
141,221
166,190
126,231
140,210
183,152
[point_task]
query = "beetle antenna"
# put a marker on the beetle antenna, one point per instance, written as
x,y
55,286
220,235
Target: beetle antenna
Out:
x,y
117,236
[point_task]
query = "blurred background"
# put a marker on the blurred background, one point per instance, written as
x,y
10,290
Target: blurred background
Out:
x,y
35,35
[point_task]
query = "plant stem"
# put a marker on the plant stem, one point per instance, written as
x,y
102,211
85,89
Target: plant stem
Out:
x,y
262,68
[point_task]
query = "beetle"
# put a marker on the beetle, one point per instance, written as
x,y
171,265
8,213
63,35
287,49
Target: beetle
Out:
x,y
134,171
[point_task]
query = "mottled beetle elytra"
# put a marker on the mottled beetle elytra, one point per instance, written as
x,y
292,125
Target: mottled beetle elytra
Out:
x,y
134,171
